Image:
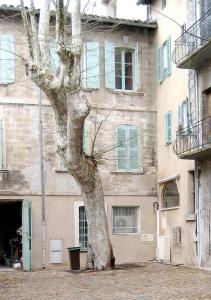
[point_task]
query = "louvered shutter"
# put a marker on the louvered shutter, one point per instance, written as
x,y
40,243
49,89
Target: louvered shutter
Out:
x,y
159,65
169,66
1,145
54,58
7,58
180,115
121,138
92,65
169,128
133,148
109,65
205,6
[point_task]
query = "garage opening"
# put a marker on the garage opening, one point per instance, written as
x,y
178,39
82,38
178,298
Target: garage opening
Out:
x,y
10,233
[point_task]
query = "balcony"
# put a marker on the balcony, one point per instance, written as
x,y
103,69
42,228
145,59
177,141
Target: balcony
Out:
x,y
194,142
193,47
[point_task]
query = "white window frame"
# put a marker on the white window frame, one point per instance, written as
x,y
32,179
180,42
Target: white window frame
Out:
x,y
77,205
138,220
134,66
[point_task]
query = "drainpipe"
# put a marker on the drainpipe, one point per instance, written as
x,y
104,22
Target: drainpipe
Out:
x,y
42,183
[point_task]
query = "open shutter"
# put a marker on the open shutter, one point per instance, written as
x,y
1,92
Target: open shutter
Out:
x,y
169,128
133,148
26,234
121,138
1,145
54,58
169,67
7,59
159,65
109,65
85,139
180,115
92,65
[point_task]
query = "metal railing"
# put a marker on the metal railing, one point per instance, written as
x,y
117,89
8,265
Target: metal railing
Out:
x,y
194,138
192,38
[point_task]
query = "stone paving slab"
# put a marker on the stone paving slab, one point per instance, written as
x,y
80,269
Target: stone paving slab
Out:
x,y
148,281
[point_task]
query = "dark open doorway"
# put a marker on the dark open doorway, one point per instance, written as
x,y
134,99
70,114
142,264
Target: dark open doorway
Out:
x,y
10,232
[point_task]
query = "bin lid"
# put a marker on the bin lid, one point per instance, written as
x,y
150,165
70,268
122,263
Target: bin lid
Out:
x,y
73,249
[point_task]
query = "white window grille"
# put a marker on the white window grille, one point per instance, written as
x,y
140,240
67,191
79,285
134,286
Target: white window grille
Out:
x,y
83,229
125,219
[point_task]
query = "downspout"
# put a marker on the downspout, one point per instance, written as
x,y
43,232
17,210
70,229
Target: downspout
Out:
x,y
42,183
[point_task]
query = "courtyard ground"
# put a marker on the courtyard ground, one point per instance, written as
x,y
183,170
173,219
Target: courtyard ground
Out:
x,y
146,281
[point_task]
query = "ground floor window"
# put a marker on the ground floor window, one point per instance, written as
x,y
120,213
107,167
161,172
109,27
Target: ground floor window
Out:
x,y
83,229
125,219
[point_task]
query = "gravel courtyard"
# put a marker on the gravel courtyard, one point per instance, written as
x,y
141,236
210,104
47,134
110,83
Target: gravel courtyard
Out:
x,y
147,281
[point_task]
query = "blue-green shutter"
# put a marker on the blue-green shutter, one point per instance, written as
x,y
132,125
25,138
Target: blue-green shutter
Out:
x,y
109,65
159,65
133,148
54,58
92,65
169,127
1,145
180,115
26,234
169,67
127,148
85,139
121,138
7,58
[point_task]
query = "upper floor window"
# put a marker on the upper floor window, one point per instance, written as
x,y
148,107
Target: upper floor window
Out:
x,y
120,67
7,58
164,60
128,148
124,69
170,195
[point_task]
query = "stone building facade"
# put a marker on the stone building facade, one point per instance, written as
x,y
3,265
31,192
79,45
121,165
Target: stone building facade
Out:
x,y
37,196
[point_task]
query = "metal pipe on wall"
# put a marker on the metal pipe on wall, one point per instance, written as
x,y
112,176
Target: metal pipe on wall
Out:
x,y
42,180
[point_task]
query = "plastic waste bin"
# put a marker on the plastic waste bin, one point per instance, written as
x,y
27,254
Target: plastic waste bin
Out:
x,y
74,256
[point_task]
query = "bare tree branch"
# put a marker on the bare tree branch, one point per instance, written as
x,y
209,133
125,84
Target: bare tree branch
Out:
x,y
60,21
34,34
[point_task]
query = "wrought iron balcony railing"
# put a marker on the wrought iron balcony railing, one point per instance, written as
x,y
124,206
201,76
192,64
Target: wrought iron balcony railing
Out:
x,y
193,38
194,139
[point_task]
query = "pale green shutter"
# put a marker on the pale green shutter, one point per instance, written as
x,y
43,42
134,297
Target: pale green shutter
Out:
x,y
92,65
169,128
109,65
26,234
180,115
7,58
121,138
133,148
169,67
54,58
1,145
85,139
159,65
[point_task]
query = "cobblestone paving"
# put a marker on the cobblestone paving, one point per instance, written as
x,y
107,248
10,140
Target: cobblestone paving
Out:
x,y
149,281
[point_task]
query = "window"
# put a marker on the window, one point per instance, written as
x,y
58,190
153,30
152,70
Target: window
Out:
x,y
127,148
164,60
125,219
184,114
168,127
7,58
163,3
124,73
170,195
120,67
83,229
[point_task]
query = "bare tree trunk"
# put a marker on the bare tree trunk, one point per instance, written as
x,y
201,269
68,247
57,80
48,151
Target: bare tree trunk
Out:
x,y
71,108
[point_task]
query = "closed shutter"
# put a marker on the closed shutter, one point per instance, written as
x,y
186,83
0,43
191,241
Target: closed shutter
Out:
x,y
54,58
169,128
1,145
169,66
180,115
133,148
121,136
109,65
7,58
159,65
205,6
91,65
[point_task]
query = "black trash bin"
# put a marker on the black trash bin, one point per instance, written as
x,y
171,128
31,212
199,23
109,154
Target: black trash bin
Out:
x,y
74,256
